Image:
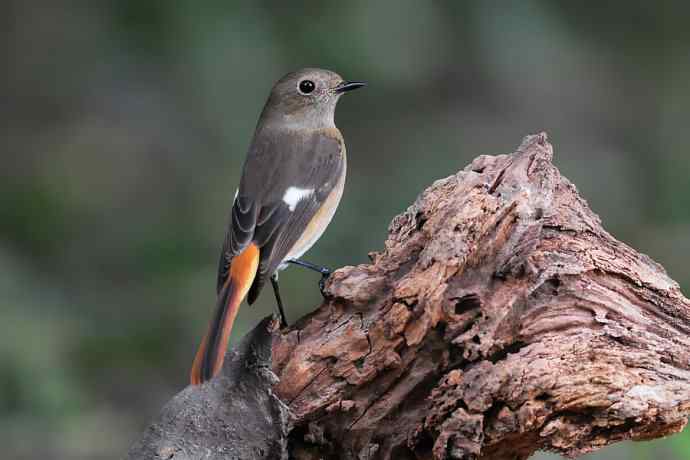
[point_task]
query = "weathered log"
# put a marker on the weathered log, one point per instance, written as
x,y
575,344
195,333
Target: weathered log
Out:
x,y
499,319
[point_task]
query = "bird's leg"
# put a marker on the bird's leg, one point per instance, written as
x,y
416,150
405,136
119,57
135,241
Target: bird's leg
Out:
x,y
276,291
325,272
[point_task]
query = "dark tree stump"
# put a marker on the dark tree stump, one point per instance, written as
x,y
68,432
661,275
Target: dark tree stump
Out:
x,y
500,319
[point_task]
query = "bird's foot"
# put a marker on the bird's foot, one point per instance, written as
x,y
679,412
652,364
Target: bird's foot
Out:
x,y
325,274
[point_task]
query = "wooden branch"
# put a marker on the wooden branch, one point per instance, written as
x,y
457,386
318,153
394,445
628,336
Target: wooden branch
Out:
x,y
499,319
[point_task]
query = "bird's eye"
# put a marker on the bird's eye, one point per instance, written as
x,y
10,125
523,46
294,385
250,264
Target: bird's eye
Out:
x,y
306,86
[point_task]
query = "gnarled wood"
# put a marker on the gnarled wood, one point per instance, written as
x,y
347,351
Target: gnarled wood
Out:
x,y
499,319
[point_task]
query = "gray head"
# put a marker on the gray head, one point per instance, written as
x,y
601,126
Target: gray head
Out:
x,y
306,99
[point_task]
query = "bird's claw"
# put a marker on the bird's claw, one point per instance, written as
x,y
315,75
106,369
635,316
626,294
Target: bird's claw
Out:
x,y
325,273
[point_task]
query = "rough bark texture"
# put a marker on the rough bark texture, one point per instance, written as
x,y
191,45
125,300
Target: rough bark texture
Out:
x,y
499,319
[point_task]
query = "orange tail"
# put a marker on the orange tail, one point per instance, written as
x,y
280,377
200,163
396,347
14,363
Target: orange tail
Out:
x,y
211,352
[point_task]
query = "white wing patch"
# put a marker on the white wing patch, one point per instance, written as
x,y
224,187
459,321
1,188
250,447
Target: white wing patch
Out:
x,y
294,195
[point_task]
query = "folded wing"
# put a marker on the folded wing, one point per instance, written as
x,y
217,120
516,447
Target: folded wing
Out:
x,y
285,181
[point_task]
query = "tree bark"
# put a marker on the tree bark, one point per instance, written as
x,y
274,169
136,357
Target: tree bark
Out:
x,y
499,319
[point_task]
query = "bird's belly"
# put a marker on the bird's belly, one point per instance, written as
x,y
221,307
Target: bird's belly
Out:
x,y
317,225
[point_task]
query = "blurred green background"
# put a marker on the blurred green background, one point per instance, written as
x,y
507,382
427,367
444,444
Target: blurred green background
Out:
x,y
124,125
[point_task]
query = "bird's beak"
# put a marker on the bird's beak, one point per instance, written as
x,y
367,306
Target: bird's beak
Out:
x,y
348,86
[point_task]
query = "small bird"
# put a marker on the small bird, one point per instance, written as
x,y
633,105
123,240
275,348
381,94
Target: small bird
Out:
x,y
291,185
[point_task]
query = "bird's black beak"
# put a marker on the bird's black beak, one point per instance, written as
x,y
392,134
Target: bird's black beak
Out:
x,y
349,86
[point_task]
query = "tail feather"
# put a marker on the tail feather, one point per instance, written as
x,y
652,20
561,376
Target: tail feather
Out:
x,y
211,353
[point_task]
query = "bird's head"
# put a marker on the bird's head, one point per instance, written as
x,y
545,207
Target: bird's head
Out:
x,y
306,98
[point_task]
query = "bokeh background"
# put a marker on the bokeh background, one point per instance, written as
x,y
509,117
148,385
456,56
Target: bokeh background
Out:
x,y
124,125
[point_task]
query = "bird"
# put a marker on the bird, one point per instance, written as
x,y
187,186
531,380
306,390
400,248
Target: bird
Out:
x,y
291,184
